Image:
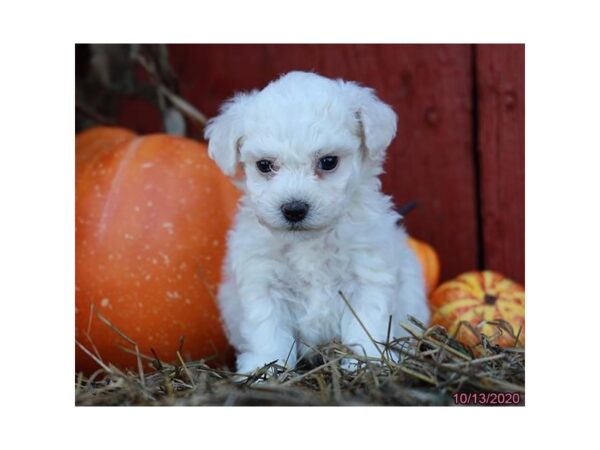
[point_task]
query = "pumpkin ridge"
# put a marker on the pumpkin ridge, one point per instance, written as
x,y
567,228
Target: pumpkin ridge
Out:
x,y
451,314
450,297
511,312
111,199
91,144
474,288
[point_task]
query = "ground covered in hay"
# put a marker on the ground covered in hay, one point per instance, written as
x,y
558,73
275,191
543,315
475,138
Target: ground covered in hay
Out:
x,y
426,368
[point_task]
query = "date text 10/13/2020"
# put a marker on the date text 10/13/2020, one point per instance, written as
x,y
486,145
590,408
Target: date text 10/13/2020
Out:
x,y
487,398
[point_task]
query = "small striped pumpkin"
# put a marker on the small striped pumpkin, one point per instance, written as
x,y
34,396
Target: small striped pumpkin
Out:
x,y
480,299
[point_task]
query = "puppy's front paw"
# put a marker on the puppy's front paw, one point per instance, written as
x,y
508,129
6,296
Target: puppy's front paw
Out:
x,y
373,356
349,364
248,363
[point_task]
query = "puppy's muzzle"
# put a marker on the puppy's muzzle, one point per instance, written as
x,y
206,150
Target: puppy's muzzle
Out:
x,y
294,211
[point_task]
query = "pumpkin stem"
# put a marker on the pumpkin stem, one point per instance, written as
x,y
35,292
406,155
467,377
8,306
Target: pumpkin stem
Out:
x,y
490,299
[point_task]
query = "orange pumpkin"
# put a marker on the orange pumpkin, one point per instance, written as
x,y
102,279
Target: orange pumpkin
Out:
x,y
151,217
479,298
429,260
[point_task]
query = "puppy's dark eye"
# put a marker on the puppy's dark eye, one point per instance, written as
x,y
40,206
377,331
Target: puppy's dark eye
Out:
x,y
264,165
328,162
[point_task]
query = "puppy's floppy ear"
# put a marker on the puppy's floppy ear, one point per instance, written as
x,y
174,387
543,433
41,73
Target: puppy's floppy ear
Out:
x,y
225,132
377,120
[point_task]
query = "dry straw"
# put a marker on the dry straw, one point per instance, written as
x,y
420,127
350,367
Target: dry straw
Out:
x,y
424,368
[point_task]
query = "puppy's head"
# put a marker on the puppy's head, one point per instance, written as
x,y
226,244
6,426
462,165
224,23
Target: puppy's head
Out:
x,y
306,144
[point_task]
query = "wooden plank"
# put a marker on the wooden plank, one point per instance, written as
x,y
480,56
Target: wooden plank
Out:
x,y
429,86
500,74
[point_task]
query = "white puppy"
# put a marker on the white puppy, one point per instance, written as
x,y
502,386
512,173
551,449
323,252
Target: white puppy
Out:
x,y
312,222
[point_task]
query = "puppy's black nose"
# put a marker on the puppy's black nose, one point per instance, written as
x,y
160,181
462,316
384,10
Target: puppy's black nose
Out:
x,y
294,211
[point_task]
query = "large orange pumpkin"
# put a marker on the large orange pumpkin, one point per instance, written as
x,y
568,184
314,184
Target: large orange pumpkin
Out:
x,y
152,213
430,262
479,298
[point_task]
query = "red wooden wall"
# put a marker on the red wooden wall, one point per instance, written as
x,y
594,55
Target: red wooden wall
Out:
x,y
460,147
501,149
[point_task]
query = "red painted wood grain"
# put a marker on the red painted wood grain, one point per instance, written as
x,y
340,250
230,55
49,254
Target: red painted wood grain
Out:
x,y
466,172
501,145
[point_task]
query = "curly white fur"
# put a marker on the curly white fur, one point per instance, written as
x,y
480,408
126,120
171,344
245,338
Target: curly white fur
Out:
x,y
280,292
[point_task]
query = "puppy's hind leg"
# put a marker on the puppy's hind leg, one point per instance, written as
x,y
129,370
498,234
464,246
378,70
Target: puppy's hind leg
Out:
x,y
411,298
